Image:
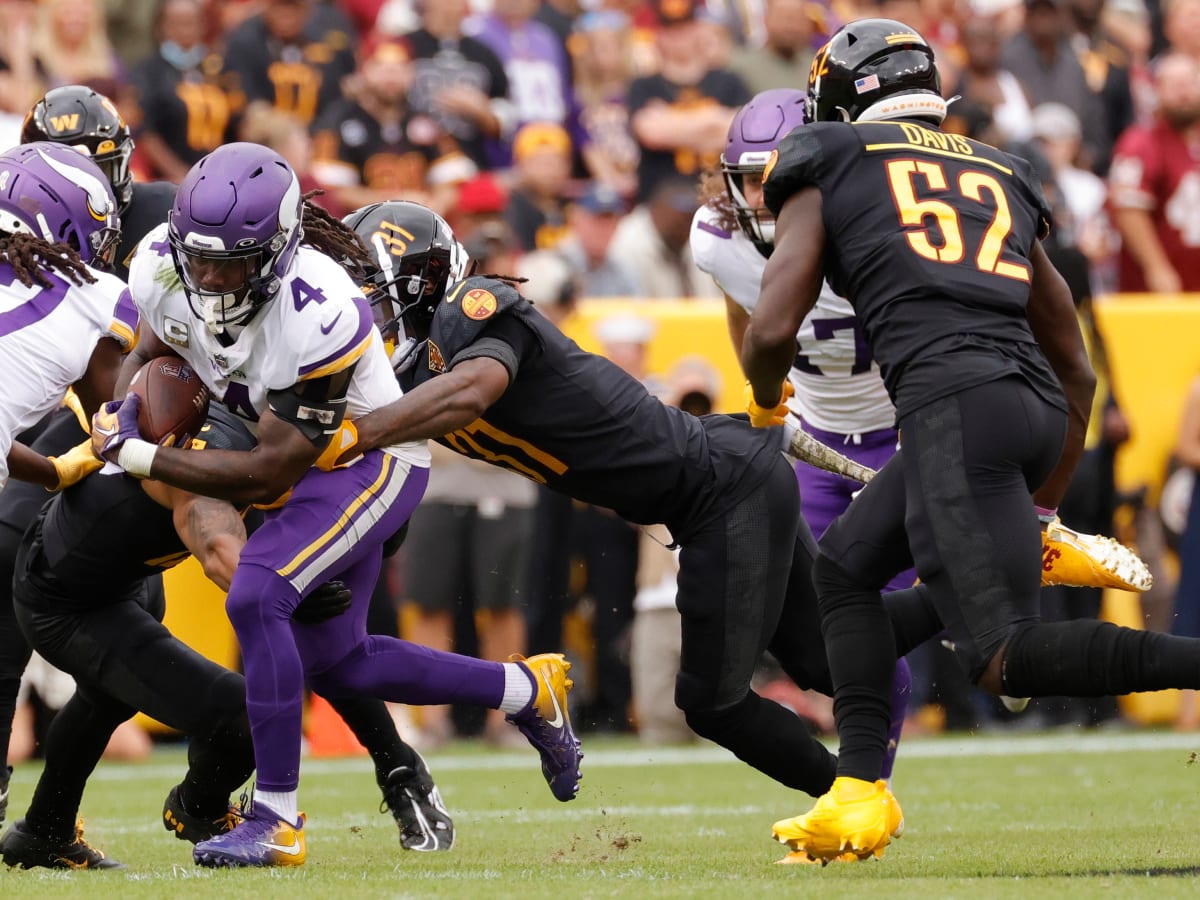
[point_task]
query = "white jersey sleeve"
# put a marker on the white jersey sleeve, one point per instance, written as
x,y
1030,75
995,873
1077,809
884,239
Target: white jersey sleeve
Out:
x,y
838,386
47,336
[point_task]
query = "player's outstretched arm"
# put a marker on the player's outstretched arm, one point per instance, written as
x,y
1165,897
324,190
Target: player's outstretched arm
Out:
x,y
1051,314
790,286
212,530
436,407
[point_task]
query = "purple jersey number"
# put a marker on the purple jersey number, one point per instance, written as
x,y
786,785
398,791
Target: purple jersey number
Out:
x,y
824,330
37,307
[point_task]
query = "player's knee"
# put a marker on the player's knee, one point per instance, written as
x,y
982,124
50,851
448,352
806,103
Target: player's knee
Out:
x,y
697,699
257,594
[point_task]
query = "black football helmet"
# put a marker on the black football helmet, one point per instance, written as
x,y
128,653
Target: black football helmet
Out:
x,y
873,70
81,118
416,256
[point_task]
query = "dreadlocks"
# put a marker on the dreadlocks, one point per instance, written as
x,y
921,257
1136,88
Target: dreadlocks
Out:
x,y
715,195
325,233
31,257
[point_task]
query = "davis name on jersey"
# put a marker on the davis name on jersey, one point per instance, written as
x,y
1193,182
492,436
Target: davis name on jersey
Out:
x,y
47,335
838,387
318,323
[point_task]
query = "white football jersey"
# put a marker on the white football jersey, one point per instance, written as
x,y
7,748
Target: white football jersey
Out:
x,y
838,386
318,323
47,335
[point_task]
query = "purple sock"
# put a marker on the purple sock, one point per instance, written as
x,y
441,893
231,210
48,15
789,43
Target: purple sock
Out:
x,y
901,691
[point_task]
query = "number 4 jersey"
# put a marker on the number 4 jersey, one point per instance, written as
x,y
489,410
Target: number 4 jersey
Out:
x,y
928,235
317,324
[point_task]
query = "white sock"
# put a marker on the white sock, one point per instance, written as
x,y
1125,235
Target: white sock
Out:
x,y
282,803
518,688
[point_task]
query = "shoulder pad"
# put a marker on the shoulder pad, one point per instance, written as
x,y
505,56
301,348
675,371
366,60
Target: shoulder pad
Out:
x,y
798,163
478,298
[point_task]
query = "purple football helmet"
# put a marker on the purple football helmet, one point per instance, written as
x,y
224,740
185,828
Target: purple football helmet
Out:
x,y
754,134
234,230
58,194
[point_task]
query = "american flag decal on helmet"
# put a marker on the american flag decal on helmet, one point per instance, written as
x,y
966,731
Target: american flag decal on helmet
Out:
x,y
869,83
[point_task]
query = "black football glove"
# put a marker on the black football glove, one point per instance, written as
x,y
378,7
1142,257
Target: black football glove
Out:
x,y
327,602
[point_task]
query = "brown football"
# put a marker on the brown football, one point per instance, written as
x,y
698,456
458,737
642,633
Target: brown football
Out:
x,y
174,400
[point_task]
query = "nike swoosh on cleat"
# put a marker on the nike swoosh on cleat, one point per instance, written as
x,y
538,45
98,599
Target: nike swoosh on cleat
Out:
x,y
325,329
557,721
292,850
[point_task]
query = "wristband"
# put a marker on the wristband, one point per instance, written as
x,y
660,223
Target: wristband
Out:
x,y
136,457
1046,515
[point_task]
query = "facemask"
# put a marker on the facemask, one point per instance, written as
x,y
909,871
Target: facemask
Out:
x,y
180,58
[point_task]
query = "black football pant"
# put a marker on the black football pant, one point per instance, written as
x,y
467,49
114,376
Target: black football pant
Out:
x,y
956,501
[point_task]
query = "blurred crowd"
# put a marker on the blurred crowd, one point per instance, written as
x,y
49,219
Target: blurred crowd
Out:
x,y
565,141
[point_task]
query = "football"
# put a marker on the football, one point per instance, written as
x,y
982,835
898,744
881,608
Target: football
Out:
x,y
174,400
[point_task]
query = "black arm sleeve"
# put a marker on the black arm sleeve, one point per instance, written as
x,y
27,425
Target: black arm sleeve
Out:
x,y
316,407
506,340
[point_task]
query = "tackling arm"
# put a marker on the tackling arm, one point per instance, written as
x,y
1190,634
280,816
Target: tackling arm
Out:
x,y
437,407
1051,314
790,286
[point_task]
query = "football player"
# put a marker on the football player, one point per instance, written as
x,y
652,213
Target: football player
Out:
x,y
492,379
88,122
124,660
934,239
840,398
243,284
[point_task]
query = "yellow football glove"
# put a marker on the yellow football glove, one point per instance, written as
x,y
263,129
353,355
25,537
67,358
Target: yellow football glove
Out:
x,y
75,465
761,417
71,402
342,449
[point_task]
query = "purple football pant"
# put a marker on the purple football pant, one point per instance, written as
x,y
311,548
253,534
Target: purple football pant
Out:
x,y
333,526
823,497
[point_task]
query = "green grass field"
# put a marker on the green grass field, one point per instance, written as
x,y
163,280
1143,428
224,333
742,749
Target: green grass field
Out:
x,y
1067,815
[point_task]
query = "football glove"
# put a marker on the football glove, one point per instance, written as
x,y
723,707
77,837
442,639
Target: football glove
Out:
x,y
75,465
327,602
1090,560
342,449
113,425
765,417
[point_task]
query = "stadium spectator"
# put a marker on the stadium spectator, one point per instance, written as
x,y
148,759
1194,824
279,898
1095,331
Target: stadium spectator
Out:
x,y
559,16
1105,64
286,135
653,242
294,54
1128,23
1058,133
20,79
539,73
72,46
593,220
603,67
468,546
783,59
537,204
692,385
187,100
370,147
679,115
989,92
1042,59
459,81
1181,26
1186,620
1154,186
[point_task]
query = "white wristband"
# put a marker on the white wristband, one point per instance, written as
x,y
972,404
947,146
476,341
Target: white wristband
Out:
x,y
136,457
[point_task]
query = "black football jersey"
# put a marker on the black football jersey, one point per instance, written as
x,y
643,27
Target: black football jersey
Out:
x,y
99,538
577,423
928,235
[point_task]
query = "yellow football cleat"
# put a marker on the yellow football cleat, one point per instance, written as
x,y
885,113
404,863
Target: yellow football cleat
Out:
x,y
800,858
1090,560
855,816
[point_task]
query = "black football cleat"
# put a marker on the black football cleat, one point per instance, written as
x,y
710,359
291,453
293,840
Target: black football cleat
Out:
x,y
188,827
21,847
425,824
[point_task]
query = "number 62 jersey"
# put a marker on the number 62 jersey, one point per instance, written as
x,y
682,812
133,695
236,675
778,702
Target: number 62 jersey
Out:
x,y
318,323
929,235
